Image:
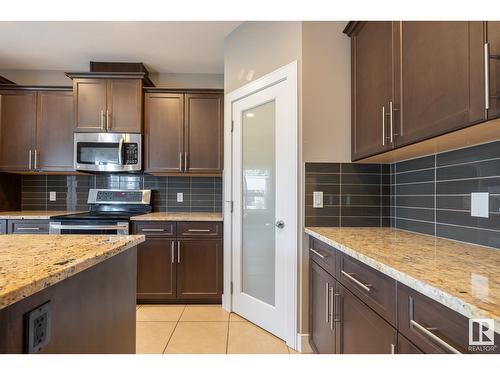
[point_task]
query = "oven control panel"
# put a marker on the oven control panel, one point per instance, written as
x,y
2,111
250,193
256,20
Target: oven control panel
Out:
x,y
115,196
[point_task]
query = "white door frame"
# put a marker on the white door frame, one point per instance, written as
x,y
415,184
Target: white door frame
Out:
x,y
288,74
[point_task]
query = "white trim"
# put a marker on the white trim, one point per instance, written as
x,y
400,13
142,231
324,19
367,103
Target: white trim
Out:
x,y
303,344
289,73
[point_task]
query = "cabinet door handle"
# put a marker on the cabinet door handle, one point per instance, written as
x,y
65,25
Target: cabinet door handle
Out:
x,y
351,277
153,230
486,76
391,111
185,161
108,120
431,336
28,228
393,349
327,302
383,125
199,230
318,253
332,308
36,158
102,119
178,251
29,159
180,162
172,255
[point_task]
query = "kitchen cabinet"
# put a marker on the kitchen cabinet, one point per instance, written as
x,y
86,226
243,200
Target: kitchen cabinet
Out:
x,y
492,29
36,130
199,269
414,80
107,102
406,346
54,131
183,131
17,128
25,226
322,325
173,266
372,88
3,226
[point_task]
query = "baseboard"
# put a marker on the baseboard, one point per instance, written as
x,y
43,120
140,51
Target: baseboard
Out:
x,y
303,345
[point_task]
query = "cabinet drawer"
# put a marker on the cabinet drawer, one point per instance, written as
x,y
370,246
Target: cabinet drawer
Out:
x,y
322,254
199,229
374,288
3,226
155,228
28,226
433,327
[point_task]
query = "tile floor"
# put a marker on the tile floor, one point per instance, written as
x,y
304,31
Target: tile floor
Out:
x,y
201,329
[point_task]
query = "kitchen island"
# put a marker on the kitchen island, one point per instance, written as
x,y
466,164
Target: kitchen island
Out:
x,y
68,294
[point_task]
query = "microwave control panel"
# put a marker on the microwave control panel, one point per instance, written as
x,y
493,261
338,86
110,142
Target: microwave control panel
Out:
x,y
130,151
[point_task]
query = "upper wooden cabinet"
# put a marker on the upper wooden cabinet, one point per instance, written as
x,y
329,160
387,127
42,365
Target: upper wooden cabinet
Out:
x,y
36,130
184,132
413,81
107,102
372,88
492,49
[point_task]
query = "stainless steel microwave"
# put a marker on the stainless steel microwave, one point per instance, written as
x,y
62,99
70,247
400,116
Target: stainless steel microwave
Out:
x,y
107,152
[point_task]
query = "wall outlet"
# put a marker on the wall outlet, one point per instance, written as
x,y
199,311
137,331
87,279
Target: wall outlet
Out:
x,y
479,204
38,328
52,196
180,197
317,199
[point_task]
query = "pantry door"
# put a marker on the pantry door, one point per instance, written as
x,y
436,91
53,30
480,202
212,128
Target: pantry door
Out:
x,y
264,218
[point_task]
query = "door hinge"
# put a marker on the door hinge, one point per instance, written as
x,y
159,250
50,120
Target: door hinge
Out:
x,y
232,206
231,287
232,125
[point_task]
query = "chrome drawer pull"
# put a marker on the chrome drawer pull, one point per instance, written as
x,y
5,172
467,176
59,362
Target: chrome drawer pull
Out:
x,y
318,253
28,228
153,230
332,309
172,251
427,332
366,287
199,230
327,304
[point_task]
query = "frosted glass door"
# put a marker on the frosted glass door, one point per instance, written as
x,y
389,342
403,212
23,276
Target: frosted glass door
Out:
x,y
258,258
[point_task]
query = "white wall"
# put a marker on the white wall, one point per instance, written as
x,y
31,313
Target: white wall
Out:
x,y
170,80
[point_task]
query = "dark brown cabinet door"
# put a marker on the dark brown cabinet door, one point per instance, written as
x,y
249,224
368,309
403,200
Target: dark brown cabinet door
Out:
x,y
493,40
204,133
321,310
54,131
199,269
124,106
17,129
90,104
361,330
156,269
407,347
372,78
442,78
164,135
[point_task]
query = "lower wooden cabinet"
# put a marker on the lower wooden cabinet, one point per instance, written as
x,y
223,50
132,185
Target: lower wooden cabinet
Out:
x,y
360,329
171,268
406,346
24,226
322,327
199,269
156,269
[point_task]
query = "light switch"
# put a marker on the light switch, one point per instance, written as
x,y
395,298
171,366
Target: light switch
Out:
x,y
317,199
52,196
479,204
180,197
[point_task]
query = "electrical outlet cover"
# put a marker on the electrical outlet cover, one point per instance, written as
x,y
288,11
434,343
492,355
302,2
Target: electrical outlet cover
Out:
x,y
38,327
52,196
317,199
180,197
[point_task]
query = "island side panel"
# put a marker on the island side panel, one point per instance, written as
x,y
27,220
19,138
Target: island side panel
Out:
x,y
92,311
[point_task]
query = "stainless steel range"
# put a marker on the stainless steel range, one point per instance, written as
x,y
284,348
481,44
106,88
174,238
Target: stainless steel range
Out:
x,y
110,212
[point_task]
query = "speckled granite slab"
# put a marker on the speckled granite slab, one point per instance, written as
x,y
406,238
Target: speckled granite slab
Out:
x,y
180,216
30,263
463,277
41,215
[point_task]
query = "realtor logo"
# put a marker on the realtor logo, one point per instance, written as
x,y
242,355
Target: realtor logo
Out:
x,y
481,332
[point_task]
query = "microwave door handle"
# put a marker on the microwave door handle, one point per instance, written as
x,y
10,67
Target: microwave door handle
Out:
x,y
120,152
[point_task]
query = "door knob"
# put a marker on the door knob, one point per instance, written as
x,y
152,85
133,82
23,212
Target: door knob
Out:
x,y
280,224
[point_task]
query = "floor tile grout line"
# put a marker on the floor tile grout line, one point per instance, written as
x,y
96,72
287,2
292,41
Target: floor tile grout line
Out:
x,y
173,331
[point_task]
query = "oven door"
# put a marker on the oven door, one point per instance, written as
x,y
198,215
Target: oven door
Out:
x,y
104,227
107,152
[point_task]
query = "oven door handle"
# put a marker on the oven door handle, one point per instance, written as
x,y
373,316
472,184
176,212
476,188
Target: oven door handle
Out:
x,y
120,151
89,227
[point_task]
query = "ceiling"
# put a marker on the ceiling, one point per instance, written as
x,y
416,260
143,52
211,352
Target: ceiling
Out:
x,y
170,47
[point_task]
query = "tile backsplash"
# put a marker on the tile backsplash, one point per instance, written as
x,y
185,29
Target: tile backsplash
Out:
x,y
353,194
201,194
432,195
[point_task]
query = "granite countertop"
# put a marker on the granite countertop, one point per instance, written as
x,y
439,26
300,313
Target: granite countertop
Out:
x,y
30,263
463,277
43,215
180,216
